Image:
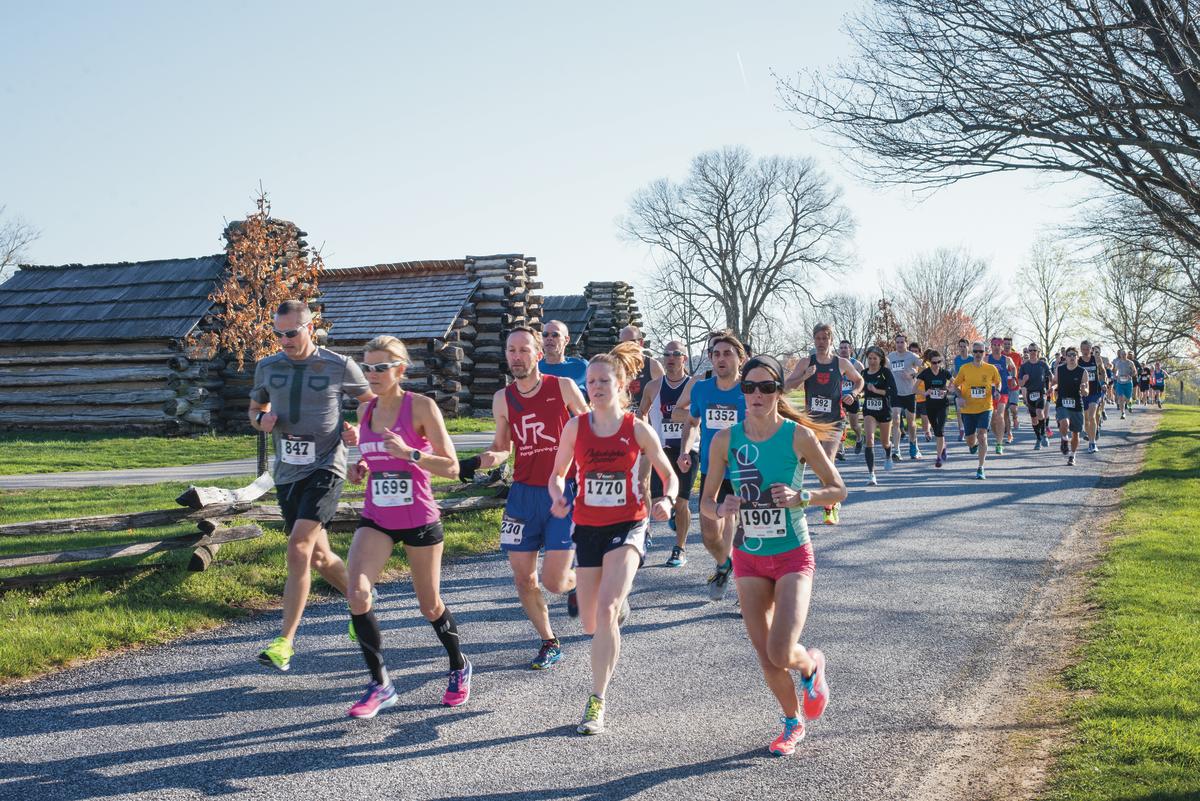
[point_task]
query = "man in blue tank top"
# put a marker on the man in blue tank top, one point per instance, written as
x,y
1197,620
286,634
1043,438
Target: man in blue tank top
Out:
x,y
713,405
555,361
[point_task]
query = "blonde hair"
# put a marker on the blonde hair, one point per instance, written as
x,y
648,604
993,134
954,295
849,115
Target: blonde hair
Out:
x,y
626,361
389,345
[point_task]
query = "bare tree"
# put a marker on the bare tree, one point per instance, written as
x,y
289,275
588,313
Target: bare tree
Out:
x,y
743,236
942,90
15,237
1051,289
673,309
939,296
1131,313
850,315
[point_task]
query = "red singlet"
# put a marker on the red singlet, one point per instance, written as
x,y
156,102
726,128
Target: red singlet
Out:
x,y
608,489
535,424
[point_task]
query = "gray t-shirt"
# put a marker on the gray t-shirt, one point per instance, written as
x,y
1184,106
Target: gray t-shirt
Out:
x,y
307,397
904,366
1125,370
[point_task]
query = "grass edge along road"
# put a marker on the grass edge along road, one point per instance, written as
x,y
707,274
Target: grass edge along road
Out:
x,y
1135,732
47,628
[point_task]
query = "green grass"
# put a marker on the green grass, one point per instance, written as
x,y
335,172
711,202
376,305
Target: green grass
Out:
x,y
38,452
52,626
1136,731
470,425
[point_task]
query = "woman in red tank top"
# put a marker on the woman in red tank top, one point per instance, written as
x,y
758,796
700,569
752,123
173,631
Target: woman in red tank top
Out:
x,y
610,512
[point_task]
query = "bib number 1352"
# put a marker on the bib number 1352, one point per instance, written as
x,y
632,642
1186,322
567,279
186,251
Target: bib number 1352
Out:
x,y
718,417
604,489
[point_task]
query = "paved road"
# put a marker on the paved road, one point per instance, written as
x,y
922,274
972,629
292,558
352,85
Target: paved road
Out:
x,y
195,473
914,597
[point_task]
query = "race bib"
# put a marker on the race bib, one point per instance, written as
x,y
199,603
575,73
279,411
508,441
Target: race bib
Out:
x,y
1034,397
392,489
897,366
672,430
821,405
512,531
1091,371
1068,403
604,489
720,416
764,523
875,404
298,450
979,392
936,394
847,387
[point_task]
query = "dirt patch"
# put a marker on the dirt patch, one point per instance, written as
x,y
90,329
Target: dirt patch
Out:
x,y
1005,736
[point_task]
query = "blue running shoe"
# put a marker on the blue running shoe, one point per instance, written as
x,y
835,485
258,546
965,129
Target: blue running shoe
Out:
x,y
678,559
549,655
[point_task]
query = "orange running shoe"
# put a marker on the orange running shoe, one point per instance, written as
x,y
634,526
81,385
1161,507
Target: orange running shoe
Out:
x,y
815,688
785,744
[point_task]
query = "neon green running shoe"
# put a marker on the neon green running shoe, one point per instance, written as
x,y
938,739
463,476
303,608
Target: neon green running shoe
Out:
x,y
593,717
278,654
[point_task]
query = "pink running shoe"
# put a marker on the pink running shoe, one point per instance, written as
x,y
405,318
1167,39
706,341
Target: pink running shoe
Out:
x,y
460,687
816,689
785,744
373,700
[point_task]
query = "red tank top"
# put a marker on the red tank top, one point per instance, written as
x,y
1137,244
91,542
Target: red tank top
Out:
x,y
609,491
535,424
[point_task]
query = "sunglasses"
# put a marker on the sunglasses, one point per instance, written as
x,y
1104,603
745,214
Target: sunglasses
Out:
x,y
669,353
935,361
551,335
977,351
381,367
765,387
291,333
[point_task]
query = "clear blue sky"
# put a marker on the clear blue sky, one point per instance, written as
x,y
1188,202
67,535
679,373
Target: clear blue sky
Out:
x,y
395,132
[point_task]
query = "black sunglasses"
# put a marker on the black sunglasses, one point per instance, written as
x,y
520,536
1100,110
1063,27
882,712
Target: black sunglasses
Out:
x,y
381,367
551,335
935,361
291,333
669,353
976,351
765,387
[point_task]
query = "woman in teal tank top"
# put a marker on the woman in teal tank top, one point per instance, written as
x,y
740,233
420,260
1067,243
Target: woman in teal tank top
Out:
x,y
772,556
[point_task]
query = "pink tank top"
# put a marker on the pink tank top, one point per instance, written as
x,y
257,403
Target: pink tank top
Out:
x,y
398,492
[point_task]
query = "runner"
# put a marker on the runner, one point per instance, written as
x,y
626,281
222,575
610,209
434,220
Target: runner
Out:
x,y
1013,420
714,404
403,440
878,387
1093,365
1071,384
934,383
962,356
556,362
610,510
922,413
904,366
1008,382
658,404
650,368
1143,386
826,398
531,413
1124,375
1108,384
297,399
767,455
1160,383
978,383
1034,377
854,409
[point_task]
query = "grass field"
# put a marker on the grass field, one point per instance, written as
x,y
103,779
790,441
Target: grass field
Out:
x,y
53,626
39,452
1137,728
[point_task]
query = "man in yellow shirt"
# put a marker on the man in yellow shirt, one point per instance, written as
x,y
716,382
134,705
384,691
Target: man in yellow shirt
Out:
x,y
977,383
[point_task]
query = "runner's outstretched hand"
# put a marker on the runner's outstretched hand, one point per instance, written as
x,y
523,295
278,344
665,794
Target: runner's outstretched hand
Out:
x,y
349,435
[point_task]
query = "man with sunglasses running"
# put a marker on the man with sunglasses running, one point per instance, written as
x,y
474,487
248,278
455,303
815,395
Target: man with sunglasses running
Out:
x,y
297,399
657,407
712,405
977,383
556,362
824,375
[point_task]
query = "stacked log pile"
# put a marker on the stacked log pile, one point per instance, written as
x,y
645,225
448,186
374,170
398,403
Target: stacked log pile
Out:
x,y
614,307
508,295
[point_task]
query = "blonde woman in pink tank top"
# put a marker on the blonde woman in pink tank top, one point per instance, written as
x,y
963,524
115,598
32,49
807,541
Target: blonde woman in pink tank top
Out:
x,y
403,441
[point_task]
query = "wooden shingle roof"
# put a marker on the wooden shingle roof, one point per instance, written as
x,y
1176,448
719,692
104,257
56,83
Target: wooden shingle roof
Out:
x,y
409,300
108,302
572,310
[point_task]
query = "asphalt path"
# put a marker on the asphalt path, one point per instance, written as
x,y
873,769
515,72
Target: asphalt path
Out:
x,y
915,596
193,472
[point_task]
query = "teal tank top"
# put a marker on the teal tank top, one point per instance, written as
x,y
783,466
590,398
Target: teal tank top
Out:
x,y
764,529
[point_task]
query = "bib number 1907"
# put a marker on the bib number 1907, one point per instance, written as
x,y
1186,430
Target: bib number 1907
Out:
x,y
764,523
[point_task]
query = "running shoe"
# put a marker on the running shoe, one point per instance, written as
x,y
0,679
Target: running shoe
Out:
x,y
857,446
1122,414
973,448
719,581
373,700
837,513
828,520
945,455
671,522
785,744
887,462
938,462
913,453
816,689
871,480
896,456
593,717
278,654
1071,460
624,612
1037,446
548,656
999,448
928,437
962,435
979,474
840,456
678,559
649,541
1092,447
1103,415
459,689
1062,446
572,604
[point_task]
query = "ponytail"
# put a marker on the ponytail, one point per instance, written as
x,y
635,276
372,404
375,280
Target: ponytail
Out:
x,y
626,361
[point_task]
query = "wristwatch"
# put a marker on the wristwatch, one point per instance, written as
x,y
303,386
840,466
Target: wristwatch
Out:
x,y
804,496
415,456
258,417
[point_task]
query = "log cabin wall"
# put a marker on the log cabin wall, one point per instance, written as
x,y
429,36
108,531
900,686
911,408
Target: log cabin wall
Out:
x,y
507,296
614,307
